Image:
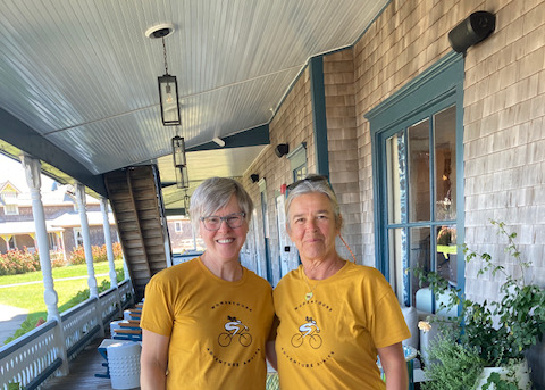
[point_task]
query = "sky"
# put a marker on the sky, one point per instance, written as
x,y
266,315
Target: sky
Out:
x,y
14,172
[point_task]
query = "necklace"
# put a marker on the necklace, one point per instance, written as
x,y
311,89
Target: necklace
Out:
x,y
310,293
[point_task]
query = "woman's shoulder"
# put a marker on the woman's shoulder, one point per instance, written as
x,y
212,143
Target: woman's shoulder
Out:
x,y
252,277
176,272
294,274
367,274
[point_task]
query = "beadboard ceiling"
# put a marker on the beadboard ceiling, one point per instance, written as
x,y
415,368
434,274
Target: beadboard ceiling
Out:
x,y
82,75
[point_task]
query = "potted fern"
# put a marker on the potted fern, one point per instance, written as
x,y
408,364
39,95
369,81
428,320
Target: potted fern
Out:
x,y
499,332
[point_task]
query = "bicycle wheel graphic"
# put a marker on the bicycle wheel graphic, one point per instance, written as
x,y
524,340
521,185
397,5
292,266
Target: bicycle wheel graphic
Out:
x,y
224,339
315,341
297,340
245,339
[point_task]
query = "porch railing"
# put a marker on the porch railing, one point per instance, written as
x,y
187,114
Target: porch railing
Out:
x,y
31,359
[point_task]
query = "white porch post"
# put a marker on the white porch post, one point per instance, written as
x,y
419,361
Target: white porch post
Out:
x,y
32,172
109,249
108,241
88,250
80,200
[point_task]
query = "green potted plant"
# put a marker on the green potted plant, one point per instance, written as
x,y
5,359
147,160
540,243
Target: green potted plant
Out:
x,y
499,331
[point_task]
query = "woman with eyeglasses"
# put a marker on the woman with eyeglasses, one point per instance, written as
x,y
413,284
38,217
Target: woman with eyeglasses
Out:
x,y
206,322
334,317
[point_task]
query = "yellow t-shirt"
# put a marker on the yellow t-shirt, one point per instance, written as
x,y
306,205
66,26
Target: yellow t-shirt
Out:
x,y
330,341
217,329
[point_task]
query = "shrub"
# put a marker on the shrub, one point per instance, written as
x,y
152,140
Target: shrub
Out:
x,y
100,254
19,262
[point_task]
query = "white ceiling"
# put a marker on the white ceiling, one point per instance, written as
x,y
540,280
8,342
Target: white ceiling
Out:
x,y
82,74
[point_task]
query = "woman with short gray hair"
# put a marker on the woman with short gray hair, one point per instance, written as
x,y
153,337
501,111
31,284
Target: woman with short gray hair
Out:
x,y
334,317
206,322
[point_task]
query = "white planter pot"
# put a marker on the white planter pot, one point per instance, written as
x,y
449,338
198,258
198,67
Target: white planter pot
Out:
x,y
521,372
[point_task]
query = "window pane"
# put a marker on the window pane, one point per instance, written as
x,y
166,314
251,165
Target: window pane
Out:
x,y
445,168
396,243
395,181
419,172
447,253
420,258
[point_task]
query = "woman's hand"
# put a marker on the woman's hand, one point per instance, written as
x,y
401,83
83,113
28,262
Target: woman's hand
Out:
x,y
395,368
153,362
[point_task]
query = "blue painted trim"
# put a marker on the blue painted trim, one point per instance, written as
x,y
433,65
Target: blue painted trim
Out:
x,y
253,137
83,341
440,86
319,119
29,140
46,373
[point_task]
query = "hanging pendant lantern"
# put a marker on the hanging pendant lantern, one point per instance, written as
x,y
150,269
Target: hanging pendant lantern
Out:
x,y
178,151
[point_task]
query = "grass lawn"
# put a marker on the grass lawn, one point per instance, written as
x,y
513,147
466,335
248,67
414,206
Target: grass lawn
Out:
x,y
30,296
59,272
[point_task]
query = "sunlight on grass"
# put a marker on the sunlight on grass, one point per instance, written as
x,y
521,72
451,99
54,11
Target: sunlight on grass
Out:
x,y
30,296
60,272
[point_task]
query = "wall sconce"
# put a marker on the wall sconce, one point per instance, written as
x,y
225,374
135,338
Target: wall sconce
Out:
x,y
182,180
473,29
178,151
281,150
254,177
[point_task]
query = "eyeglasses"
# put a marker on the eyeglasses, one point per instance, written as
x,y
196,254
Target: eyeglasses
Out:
x,y
310,178
213,222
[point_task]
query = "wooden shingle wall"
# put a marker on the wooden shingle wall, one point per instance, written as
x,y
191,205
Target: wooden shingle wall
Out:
x,y
343,147
504,133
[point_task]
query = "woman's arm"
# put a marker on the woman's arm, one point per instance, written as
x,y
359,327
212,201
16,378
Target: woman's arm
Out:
x,y
271,354
153,361
395,368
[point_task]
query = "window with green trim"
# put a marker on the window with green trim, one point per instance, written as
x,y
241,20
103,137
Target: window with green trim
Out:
x,y
417,169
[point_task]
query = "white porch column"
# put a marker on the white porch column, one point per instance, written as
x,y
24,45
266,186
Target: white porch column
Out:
x,y
108,241
32,172
91,280
109,249
80,200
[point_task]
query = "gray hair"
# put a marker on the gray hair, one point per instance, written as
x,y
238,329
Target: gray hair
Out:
x,y
213,194
309,185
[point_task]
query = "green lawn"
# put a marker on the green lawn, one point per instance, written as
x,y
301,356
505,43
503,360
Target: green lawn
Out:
x,y
58,273
30,296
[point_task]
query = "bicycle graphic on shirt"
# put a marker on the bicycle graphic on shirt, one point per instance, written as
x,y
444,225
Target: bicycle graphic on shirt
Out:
x,y
310,329
234,328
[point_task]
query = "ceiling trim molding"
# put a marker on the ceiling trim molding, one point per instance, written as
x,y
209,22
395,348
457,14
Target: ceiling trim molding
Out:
x,y
30,141
255,136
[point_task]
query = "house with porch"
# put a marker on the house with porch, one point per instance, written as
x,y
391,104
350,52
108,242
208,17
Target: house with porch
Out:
x,y
63,223
423,142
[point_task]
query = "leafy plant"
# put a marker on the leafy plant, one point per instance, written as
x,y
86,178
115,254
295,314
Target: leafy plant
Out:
x,y
499,330
448,361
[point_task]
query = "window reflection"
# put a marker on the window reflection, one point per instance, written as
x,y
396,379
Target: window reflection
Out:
x,y
445,169
419,172
447,253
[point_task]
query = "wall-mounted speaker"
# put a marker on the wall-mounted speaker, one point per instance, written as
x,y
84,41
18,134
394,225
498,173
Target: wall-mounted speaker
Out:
x,y
254,177
473,29
281,150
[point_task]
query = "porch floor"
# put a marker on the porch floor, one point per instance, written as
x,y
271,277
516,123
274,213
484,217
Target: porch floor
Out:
x,y
82,372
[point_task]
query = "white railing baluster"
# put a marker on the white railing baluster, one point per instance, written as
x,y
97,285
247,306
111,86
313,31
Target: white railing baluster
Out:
x,y
26,359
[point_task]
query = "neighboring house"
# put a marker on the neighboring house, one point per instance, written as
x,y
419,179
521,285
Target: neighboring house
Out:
x,y
63,223
181,235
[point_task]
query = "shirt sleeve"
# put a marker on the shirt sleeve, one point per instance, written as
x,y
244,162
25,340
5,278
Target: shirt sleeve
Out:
x,y
157,313
387,322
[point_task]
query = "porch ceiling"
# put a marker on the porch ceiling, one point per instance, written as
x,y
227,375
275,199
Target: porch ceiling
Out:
x,y
82,76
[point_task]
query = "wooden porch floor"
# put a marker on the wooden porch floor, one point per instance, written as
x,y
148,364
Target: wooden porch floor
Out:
x,y
82,372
